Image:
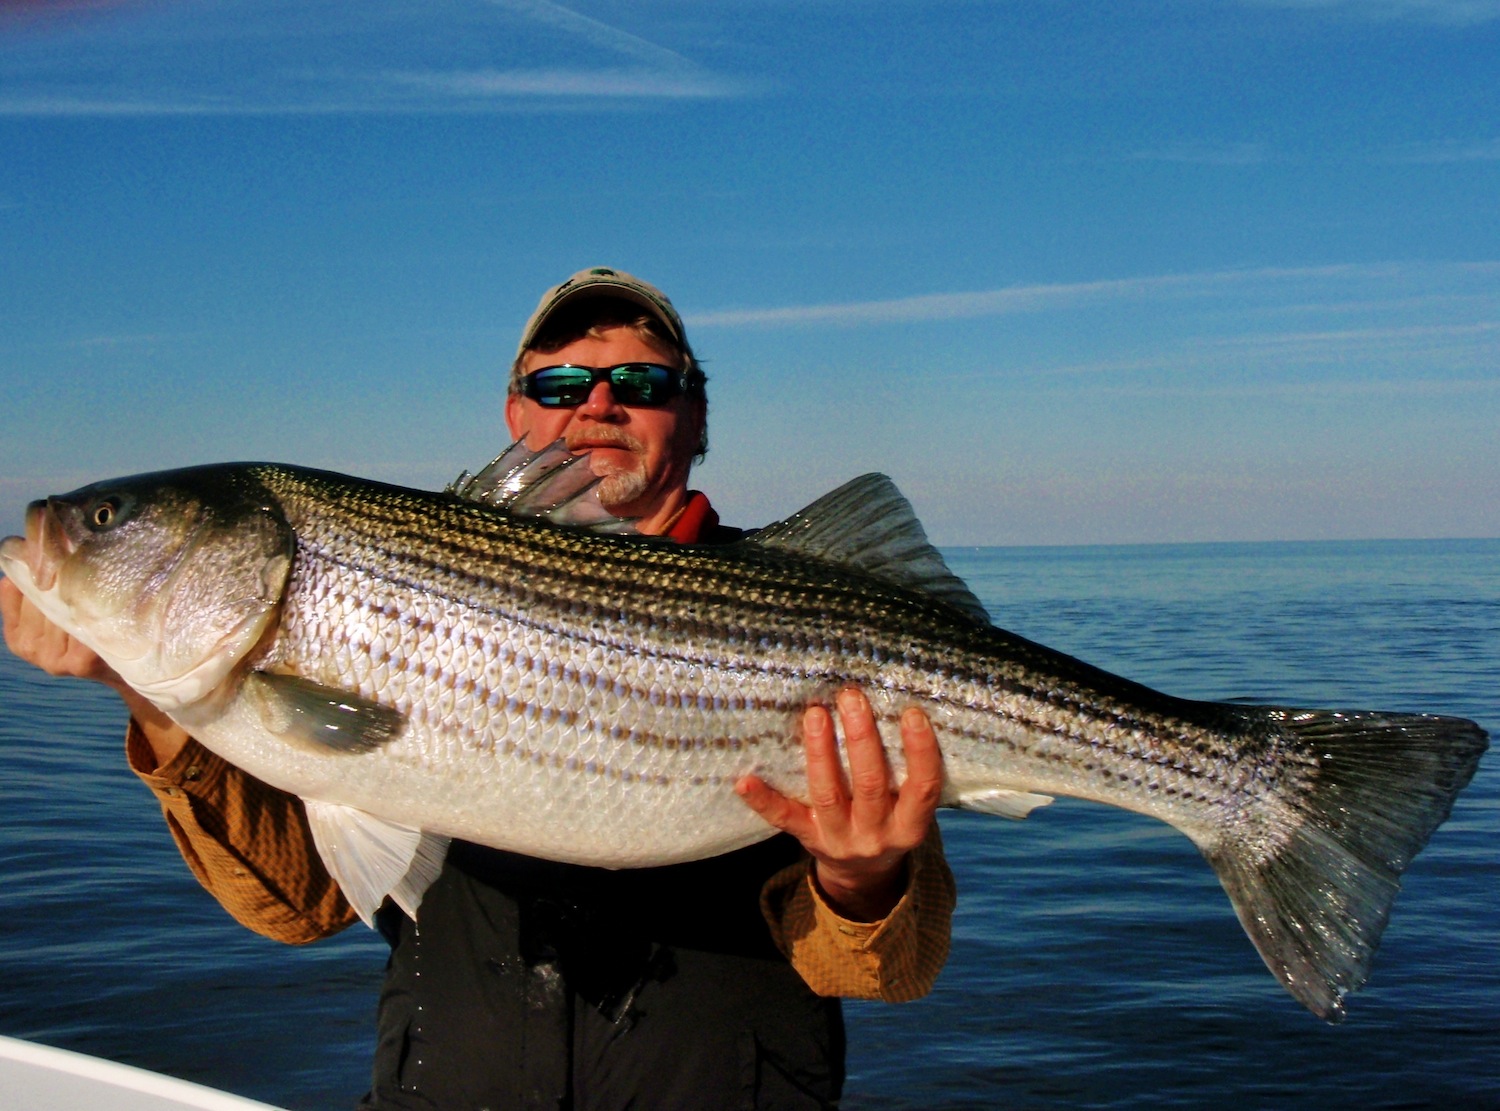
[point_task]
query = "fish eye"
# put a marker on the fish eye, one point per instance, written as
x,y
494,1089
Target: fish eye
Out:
x,y
104,514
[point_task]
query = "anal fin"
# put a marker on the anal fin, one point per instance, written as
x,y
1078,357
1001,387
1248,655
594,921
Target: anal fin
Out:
x,y
1000,802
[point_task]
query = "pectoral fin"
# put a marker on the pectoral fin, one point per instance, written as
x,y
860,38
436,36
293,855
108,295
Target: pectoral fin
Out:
x,y
309,713
372,858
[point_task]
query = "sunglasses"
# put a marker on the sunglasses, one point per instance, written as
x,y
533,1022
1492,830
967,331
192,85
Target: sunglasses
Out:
x,y
563,387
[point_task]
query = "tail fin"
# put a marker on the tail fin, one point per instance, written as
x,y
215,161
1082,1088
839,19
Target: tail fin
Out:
x,y
1372,788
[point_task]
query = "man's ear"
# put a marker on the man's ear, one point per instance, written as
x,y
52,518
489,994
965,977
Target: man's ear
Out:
x,y
700,415
515,416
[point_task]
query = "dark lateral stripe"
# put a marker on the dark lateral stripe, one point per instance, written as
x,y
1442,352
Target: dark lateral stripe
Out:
x,y
463,685
1081,711
514,749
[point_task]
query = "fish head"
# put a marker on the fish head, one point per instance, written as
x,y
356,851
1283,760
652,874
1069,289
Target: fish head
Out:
x,y
171,578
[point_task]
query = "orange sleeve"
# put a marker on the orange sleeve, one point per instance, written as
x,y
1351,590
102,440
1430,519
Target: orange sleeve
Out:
x,y
247,843
895,960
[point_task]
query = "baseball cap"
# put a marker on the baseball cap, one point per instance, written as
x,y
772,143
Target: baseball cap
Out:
x,y
602,281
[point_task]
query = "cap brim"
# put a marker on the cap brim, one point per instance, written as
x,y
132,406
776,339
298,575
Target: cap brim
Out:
x,y
601,288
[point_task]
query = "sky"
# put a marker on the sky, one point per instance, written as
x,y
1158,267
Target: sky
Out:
x,y
1070,271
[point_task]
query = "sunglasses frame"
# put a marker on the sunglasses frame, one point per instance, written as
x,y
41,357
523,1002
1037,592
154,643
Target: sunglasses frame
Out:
x,y
676,384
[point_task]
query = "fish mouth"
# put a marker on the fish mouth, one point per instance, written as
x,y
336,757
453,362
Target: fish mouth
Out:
x,y
41,551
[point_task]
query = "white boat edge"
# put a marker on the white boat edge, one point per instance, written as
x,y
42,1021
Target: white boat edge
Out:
x,y
31,1065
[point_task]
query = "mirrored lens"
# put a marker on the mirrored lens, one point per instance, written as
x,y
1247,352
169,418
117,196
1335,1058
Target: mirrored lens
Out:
x,y
647,383
560,385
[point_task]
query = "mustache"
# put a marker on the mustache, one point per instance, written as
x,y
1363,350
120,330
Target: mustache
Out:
x,y
582,439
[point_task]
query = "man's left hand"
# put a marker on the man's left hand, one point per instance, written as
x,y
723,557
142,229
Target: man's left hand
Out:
x,y
858,830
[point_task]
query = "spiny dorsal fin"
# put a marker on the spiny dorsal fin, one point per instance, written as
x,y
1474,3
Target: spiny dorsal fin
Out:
x,y
867,524
552,484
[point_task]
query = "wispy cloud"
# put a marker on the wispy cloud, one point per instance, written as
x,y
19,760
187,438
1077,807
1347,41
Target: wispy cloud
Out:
x,y
1235,154
1409,353
1396,329
111,342
469,87
1011,300
1436,153
584,29
930,306
1413,361
1457,13
1423,335
1207,154
260,57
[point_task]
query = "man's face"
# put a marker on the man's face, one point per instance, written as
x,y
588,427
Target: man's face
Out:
x,y
644,453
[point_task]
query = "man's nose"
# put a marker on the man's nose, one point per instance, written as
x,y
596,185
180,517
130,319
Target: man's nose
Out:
x,y
601,404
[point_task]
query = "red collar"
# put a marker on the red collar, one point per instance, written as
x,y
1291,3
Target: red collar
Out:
x,y
696,518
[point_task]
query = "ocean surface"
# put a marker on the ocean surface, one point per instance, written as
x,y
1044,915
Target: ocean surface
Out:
x,y
1096,962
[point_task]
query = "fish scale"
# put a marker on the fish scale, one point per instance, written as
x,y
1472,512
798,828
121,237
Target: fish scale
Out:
x,y
420,666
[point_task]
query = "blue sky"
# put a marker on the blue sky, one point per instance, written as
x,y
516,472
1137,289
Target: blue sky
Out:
x,y
1070,272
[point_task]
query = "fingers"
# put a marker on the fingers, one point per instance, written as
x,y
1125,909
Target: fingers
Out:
x,y
922,790
783,813
827,792
907,813
855,811
28,633
870,794
825,817
10,610
33,637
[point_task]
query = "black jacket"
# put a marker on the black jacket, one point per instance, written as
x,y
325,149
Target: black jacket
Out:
x,y
533,984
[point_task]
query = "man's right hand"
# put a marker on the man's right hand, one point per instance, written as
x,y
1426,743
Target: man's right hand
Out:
x,y
33,637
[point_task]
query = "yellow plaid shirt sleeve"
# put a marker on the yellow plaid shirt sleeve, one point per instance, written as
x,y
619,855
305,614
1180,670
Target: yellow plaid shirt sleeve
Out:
x,y
248,844
895,960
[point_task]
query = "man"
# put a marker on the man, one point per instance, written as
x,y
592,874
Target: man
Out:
x,y
536,984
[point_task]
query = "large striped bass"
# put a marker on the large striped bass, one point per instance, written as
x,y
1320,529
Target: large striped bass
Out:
x,y
420,666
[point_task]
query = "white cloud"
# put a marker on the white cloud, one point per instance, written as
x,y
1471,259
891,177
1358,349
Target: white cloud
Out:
x,y
1457,13
1416,359
1324,281
591,31
1480,150
929,306
568,83
261,57
143,339
1207,154
1407,330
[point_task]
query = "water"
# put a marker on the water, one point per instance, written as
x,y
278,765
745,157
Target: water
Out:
x,y
1096,963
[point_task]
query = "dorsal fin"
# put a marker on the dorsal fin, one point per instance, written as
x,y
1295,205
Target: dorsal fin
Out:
x,y
867,524
552,484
